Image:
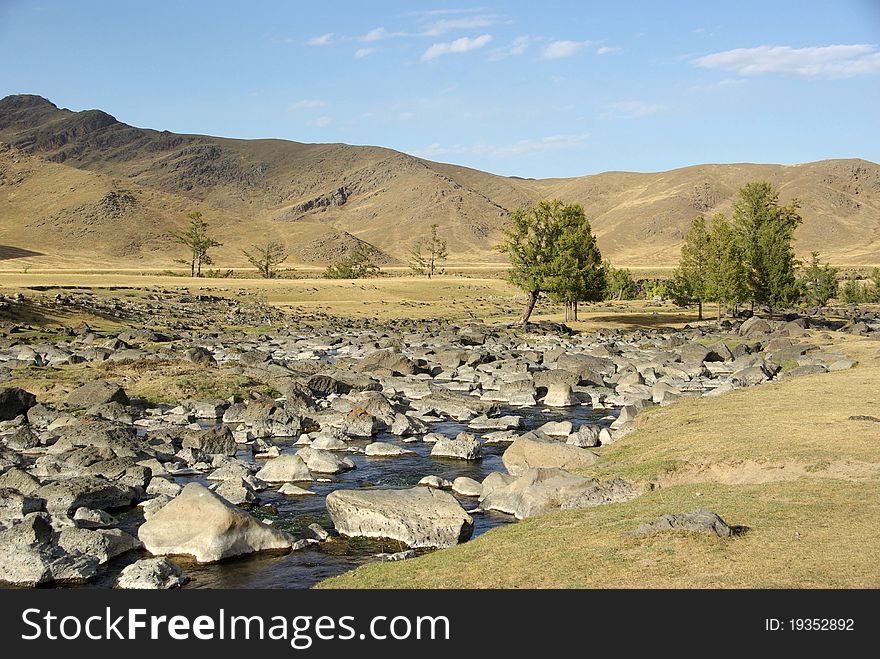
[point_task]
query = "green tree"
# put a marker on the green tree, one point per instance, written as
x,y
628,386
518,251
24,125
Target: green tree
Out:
x,y
531,242
195,238
265,258
435,253
578,272
852,292
621,285
875,279
691,281
725,272
819,282
358,264
766,231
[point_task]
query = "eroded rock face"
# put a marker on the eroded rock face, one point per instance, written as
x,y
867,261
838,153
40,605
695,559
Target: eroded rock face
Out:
x,y
418,517
202,524
540,490
532,450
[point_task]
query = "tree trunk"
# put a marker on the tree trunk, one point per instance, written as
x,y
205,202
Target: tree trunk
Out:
x,y
700,310
530,306
771,314
574,310
192,267
719,311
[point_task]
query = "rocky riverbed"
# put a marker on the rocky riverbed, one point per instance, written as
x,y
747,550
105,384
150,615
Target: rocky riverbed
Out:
x,y
358,442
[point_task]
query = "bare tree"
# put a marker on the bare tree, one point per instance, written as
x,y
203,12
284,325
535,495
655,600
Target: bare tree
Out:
x,y
435,253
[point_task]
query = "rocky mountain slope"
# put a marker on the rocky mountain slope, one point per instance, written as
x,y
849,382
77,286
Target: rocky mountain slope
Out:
x,y
85,188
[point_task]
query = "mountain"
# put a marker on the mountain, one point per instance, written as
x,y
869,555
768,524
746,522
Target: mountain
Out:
x,y
85,188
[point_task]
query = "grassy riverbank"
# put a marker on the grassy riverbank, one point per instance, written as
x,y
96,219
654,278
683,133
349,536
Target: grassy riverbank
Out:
x,y
784,460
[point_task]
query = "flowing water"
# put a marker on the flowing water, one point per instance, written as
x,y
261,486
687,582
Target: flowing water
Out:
x,y
304,568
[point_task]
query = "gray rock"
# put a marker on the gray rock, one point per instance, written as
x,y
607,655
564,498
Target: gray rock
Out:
x,y
464,447
586,437
560,395
98,392
87,518
384,450
324,462
151,574
697,521
65,496
542,490
404,425
483,422
213,441
467,487
19,480
101,544
285,468
436,482
417,517
14,505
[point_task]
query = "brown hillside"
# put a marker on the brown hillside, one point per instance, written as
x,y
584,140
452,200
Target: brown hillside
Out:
x,y
85,188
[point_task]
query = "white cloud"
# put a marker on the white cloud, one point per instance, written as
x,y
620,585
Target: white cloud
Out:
x,y
360,53
323,40
631,110
380,34
838,61
406,116
308,103
517,47
376,35
450,24
320,122
607,50
561,49
520,148
462,45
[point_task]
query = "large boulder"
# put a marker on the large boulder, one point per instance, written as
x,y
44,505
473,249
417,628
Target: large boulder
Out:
x,y
417,517
532,450
152,574
285,468
464,447
542,490
98,392
201,524
217,440
15,401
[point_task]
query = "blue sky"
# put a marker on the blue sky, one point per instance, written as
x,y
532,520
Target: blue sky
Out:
x,y
518,88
